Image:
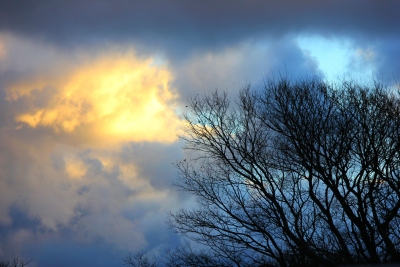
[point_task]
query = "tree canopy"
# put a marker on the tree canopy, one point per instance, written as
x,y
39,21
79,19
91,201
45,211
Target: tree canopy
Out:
x,y
300,173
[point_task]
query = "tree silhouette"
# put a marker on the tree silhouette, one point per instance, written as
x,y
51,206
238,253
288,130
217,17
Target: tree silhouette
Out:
x,y
16,262
301,173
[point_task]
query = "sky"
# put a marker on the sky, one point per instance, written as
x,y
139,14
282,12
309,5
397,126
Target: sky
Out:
x,y
92,92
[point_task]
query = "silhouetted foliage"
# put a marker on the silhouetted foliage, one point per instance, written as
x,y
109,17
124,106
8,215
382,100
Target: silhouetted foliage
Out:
x,y
302,173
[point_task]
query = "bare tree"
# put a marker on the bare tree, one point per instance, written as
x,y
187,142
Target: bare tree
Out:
x,y
302,173
16,262
186,256
141,260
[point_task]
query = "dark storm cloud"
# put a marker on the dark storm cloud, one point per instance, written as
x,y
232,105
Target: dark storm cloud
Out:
x,y
182,25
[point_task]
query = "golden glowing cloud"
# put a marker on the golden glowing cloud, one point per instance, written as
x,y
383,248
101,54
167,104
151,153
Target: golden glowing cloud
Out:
x,y
111,99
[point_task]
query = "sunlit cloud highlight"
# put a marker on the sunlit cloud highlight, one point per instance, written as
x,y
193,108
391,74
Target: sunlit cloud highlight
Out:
x,y
112,99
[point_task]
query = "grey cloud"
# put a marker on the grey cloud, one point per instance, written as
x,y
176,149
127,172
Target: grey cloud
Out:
x,y
154,162
67,253
180,25
375,60
386,57
248,62
100,211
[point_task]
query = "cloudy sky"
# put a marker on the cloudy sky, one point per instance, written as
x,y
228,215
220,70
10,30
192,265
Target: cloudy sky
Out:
x,y
91,93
